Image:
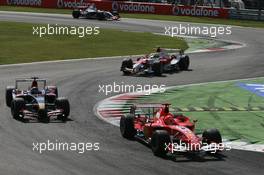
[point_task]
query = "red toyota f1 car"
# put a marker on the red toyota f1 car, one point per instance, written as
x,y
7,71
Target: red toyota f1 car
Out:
x,y
91,12
156,63
33,98
166,132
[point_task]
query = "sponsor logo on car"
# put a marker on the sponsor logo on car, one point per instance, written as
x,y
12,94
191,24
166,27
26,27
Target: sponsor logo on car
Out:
x,y
133,7
24,2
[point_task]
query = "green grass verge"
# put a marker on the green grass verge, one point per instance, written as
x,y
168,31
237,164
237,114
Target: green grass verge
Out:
x,y
18,44
245,125
244,23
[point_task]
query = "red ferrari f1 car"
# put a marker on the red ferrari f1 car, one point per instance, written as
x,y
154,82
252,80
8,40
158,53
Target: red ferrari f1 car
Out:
x,y
33,98
156,63
166,132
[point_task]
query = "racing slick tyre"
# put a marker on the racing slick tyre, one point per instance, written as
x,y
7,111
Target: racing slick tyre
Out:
x,y
63,104
126,64
115,13
53,89
101,16
127,126
50,99
212,136
157,69
9,97
17,105
184,63
43,116
159,140
76,14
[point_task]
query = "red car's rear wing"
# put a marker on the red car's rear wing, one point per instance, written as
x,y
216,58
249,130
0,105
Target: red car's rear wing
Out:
x,y
148,105
151,105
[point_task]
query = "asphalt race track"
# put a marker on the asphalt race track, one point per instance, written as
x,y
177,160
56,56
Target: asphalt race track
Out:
x,y
79,82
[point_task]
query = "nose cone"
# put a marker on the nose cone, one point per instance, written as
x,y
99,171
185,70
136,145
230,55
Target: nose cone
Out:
x,y
41,105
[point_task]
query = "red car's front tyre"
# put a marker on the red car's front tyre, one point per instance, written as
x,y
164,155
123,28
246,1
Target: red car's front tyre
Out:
x,y
159,141
127,126
212,136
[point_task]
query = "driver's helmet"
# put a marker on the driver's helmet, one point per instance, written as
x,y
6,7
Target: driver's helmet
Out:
x,y
155,56
173,57
169,120
34,84
166,109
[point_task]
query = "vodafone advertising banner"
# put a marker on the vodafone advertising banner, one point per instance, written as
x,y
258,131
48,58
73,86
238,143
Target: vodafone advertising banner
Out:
x,y
127,7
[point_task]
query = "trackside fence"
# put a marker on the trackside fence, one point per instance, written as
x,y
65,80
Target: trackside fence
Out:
x,y
247,14
145,7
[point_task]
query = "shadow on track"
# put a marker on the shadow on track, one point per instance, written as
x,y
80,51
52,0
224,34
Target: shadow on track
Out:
x,y
194,158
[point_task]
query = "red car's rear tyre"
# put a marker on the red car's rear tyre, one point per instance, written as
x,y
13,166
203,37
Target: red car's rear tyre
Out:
x,y
127,126
159,140
212,136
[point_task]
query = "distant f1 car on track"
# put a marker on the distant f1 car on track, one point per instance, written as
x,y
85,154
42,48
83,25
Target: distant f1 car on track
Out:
x,y
166,132
156,63
32,98
91,12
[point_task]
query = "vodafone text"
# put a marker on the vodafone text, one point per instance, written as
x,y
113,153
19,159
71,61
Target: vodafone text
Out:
x,y
65,30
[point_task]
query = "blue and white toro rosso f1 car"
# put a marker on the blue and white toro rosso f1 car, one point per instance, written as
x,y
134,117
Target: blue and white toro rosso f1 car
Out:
x,y
33,98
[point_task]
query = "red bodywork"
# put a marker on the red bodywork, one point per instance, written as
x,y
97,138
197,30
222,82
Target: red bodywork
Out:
x,y
179,127
165,59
